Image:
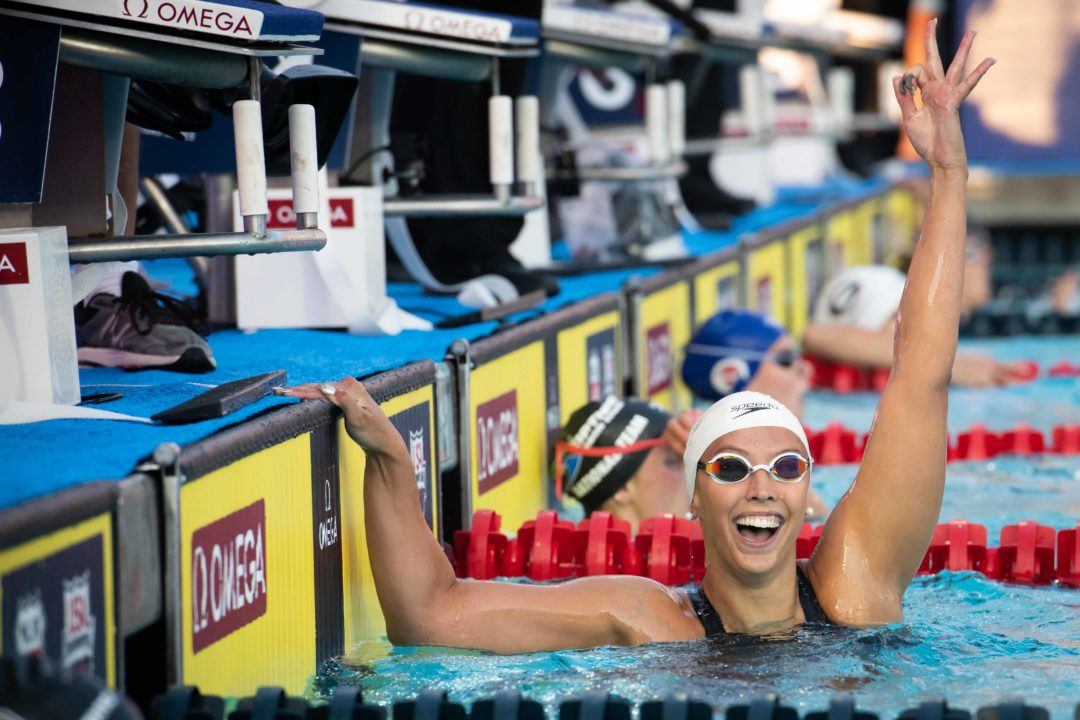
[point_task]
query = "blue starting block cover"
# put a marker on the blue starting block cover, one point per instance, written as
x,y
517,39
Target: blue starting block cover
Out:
x,y
233,20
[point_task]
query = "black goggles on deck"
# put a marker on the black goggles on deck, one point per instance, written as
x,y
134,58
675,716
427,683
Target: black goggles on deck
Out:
x,y
729,468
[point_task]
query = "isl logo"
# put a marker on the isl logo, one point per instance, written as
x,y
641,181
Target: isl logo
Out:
x,y
419,462
77,638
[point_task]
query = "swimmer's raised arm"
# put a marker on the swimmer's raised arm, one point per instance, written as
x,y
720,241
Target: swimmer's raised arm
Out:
x,y
424,603
880,529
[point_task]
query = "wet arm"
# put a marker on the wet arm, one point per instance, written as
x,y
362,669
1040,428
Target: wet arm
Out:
x,y
850,345
879,532
426,604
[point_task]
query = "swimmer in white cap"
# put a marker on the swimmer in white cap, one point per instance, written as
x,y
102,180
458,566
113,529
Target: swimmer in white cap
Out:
x,y
854,323
747,470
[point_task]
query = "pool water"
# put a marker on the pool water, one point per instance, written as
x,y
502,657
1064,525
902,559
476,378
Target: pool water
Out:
x,y
965,638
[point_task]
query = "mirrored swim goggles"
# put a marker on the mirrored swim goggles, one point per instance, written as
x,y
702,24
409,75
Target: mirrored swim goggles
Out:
x,y
563,448
728,468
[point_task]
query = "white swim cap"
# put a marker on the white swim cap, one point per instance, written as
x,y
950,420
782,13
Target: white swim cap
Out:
x,y
736,412
867,297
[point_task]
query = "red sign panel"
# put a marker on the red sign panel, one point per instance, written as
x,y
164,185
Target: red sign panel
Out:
x,y
497,441
282,217
658,358
228,575
342,213
13,266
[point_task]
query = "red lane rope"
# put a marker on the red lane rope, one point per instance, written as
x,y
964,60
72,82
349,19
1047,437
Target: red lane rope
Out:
x,y
842,378
671,550
836,444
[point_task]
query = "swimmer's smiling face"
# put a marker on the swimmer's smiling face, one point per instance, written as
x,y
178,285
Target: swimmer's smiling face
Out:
x,y
750,527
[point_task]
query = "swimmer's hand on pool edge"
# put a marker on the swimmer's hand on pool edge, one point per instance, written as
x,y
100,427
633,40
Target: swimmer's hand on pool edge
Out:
x,y
365,421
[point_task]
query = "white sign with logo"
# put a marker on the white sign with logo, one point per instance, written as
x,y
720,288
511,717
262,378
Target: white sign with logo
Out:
x,y
341,286
38,361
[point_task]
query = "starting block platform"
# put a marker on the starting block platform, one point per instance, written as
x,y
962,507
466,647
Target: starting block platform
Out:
x,y
232,26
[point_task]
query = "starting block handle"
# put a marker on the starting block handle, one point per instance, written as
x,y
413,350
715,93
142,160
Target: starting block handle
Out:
x,y
656,123
305,166
501,143
250,164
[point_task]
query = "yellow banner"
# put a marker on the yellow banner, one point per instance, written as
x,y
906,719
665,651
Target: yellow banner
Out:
x,y
840,237
767,282
663,330
901,220
508,435
716,289
58,598
589,366
807,263
247,573
868,242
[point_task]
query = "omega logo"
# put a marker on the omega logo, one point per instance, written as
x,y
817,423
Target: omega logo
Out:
x,y
142,14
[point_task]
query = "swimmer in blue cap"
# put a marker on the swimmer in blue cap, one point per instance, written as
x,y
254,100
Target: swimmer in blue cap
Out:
x,y
747,471
738,350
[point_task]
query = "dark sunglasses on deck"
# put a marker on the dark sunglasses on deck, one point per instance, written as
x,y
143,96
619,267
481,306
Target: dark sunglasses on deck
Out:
x,y
728,468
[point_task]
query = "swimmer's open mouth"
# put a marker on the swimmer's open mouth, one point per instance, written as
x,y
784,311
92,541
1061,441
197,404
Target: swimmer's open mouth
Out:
x,y
758,529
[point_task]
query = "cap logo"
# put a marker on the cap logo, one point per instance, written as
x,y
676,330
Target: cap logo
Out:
x,y
750,407
840,299
728,373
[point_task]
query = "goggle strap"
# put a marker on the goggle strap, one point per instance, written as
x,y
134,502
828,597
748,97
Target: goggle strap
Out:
x,y
564,448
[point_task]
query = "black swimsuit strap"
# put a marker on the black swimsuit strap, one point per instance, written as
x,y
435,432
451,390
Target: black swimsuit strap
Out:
x,y
808,600
811,606
706,613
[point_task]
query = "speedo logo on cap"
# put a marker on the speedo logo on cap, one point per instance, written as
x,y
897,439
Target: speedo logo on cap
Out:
x,y
746,408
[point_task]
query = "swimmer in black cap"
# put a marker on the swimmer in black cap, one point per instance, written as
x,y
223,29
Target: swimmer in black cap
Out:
x,y
746,467
612,456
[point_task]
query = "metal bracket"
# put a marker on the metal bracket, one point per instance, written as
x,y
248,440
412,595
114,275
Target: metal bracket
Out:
x,y
459,354
148,247
166,459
